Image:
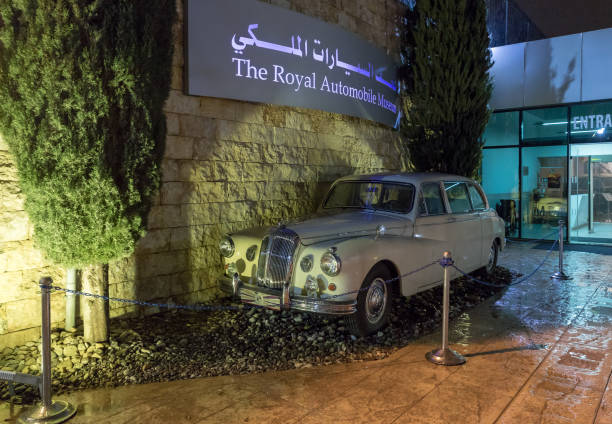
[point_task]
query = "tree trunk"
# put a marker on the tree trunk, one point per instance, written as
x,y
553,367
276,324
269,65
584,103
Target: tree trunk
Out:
x,y
95,311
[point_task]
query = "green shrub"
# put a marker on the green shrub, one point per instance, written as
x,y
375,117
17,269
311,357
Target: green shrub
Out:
x,y
82,86
446,84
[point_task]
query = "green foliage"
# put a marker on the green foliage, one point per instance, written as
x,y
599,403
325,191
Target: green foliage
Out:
x,y
446,84
82,86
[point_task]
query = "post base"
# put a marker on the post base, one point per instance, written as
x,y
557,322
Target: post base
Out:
x,y
560,275
58,412
445,357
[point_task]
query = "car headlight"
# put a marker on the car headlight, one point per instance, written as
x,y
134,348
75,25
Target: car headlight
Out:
x,y
226,246
306,263
330,264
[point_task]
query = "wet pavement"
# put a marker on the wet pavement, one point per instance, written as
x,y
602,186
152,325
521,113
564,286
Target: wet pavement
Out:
x,y
540,352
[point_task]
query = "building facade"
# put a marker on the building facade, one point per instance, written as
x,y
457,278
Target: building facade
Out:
x,y
548,149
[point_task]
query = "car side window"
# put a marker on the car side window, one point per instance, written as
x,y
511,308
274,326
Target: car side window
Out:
x,y
431,200
458,198
478,201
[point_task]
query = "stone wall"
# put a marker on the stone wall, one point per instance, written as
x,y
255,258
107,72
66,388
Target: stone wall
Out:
x,y
227,165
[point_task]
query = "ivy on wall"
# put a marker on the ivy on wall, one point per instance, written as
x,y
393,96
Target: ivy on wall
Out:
x,y
82,86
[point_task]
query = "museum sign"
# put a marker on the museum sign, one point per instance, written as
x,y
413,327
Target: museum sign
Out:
x,y
248,50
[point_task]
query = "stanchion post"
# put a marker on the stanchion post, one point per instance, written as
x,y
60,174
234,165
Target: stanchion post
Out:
x,y
560,274
47,411
445,355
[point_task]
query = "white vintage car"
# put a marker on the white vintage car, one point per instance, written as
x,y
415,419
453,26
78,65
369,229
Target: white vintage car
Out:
x,y
350,257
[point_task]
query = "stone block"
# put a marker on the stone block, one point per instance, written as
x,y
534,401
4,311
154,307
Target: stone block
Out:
x,y
12,199
228,171
163,263
123,290
31,277
197,126
18,338
197,171
253,190
170,170
23,256
203,257
22,314
237,211
177,192
295,138
178,102
187,237
165,216
283,154
157,287
274,116
176,81
257,171
232,192
178,147
15,226
3,144
212,192
330,142
8,170
249,112
200,214
328,157
122,270
218,108
243,132
172,124
154,241
211,234
211,149
178,57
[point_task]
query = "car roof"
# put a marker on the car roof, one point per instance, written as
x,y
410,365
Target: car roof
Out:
x,y
406,177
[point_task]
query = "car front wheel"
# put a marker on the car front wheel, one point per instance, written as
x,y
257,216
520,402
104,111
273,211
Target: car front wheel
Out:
x,y
374,302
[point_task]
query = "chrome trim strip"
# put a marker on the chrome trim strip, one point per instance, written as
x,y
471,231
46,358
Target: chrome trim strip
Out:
x,y
272,299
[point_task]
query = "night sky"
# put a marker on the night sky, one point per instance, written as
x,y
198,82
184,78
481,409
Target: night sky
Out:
x,y
561,17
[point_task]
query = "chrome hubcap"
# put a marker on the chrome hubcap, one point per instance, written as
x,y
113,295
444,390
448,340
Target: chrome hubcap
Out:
x,y
491,258
376,300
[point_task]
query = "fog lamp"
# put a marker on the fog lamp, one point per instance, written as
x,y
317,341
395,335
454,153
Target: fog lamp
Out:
x,y
312,287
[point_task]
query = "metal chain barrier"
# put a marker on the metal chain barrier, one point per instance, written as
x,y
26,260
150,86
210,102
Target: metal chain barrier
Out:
x,y
212,307
543,238
143,303
522,280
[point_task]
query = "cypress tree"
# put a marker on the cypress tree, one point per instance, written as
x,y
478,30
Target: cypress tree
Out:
x,y
446,83
82,86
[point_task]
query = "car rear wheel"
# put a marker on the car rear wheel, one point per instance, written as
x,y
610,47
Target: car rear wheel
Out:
x,y
492,260
374,302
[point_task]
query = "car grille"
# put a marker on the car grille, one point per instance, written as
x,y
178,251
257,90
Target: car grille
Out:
x,y
276,258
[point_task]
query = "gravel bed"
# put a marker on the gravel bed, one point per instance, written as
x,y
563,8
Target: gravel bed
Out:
x,y
176,345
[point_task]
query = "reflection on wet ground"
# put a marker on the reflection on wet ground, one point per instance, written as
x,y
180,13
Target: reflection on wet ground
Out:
x,y
538,352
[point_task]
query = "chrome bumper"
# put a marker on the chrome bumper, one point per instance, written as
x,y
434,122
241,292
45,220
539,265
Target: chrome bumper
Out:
x,y
274,299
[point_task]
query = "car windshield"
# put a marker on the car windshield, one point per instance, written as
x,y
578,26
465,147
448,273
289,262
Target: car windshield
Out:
x,y
371,195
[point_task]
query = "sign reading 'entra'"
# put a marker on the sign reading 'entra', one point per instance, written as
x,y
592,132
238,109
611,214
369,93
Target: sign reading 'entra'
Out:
x,y
248,50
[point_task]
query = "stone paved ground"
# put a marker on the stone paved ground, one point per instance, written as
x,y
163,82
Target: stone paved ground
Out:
x,y
539,353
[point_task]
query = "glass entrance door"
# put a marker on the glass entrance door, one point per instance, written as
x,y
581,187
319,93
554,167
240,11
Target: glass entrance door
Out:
x,y
590,200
